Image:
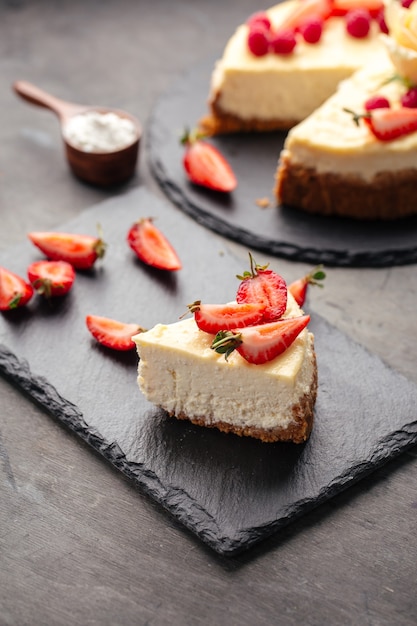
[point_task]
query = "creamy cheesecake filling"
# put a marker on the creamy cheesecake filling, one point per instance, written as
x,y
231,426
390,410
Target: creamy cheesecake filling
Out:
x,y
179,372
328,140
287,86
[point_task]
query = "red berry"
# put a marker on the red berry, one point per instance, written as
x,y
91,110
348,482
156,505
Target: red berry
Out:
x,y
377,102
409,99
406,3
380,20
259,18
358,23
283,42
311,29
258,41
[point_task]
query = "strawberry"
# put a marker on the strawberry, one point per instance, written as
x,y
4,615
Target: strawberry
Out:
x,y
205,165
389,124
214,317
343,7
263,286
151,246
262,343
81,251
304,9
51,278
112,333
298,288
14,291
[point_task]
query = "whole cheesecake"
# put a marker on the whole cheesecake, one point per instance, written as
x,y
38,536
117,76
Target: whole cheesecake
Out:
x,y
356,155
276,91
332,166
181,373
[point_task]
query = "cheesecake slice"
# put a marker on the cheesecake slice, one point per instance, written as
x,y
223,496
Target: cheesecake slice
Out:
x,y
276,91
180,372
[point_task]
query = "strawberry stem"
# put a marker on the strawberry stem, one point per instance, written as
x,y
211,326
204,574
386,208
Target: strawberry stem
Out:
x,y
357,117
100,245
225,342
316,275
14,302
408,84
254,269
192,308
188,137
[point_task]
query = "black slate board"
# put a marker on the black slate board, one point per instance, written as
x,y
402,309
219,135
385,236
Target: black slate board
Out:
x,y
230,491
280,231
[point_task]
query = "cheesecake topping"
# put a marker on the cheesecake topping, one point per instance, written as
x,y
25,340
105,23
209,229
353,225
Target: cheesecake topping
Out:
x,y
307,20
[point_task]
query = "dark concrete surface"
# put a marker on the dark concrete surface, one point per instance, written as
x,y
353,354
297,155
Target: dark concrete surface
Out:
x,y
78,544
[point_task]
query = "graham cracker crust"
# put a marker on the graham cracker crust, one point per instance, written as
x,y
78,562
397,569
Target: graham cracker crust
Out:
x,y
390,196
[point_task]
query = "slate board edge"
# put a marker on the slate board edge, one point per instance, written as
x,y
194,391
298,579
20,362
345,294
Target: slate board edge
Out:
x,y
289,251
45,395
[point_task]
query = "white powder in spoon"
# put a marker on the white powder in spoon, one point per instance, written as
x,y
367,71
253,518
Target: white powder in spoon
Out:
x,y
99,132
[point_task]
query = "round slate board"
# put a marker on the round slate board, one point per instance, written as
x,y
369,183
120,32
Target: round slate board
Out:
x,y
280,231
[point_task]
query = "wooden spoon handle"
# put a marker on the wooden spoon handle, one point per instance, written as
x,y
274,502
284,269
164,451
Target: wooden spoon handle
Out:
x,y
38,96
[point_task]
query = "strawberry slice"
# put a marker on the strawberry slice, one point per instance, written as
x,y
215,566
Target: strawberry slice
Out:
x,y
214,317
51,278
14,290
112,333
263,286
389,124
342,7
262,343
298,288
81,251
205,165
151,246
304,10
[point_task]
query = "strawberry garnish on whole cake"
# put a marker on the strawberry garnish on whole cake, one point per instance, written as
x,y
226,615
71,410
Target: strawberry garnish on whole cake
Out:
x,y
306,21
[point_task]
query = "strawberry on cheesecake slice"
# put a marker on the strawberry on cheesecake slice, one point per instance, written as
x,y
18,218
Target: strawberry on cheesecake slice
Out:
x,y
283,63
234,368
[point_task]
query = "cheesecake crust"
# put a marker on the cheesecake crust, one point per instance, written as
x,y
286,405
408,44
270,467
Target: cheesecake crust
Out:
x,y
389,196
219,122
298,431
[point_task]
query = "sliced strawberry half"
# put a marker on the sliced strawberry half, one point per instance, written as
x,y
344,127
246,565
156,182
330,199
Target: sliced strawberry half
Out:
x,y
51,278
263,286
112,333
151,246
305,9
82,251
214,317
262,343
298,288
14,290
206,166
392,123
342,7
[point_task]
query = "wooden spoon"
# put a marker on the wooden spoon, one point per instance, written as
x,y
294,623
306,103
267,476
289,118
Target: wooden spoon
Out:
x,y
103,169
